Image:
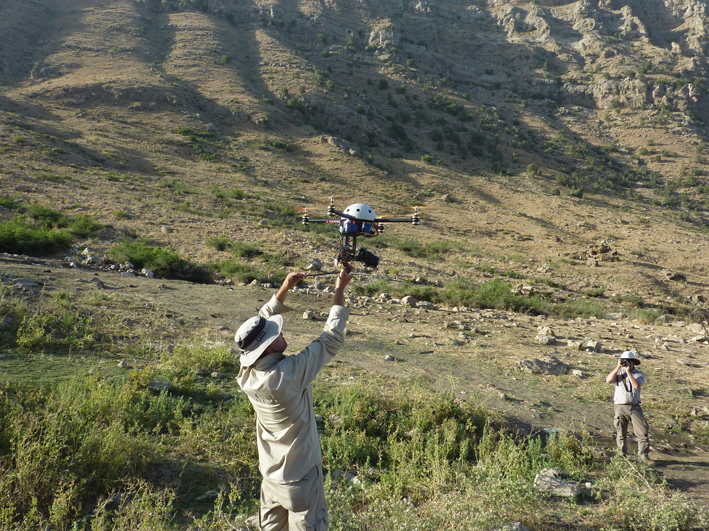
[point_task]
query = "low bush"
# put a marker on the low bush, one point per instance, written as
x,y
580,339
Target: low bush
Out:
x,y
219,243
243,272
19,236
245,250
161,261
83,226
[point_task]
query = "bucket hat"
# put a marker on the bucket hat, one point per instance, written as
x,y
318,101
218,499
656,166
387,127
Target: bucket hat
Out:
x,y
628,355
255,335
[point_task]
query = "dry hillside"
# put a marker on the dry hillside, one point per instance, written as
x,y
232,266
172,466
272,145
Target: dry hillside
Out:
x,y
556,145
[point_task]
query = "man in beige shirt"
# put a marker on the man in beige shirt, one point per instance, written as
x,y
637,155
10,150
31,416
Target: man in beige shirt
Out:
x,y
628,380
278,386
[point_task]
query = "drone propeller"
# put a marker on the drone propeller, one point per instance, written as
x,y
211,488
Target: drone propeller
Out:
x,y
329,199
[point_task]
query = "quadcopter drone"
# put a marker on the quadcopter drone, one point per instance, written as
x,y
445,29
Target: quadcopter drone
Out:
x,y
357,220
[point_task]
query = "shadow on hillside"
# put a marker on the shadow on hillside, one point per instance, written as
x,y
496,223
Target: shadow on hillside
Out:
x,y
25,109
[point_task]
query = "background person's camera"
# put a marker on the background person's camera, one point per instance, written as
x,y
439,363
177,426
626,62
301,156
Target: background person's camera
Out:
x,y
623,363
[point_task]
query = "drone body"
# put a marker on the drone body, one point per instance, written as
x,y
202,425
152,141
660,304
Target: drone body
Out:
x,y
356,220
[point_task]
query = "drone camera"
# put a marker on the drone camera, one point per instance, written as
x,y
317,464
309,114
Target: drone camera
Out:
x,y
368,258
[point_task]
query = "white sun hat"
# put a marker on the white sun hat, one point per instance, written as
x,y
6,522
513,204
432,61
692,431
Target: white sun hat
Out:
x,y
255,335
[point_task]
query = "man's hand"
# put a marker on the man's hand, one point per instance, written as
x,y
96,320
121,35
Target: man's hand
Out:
x,y
342,280
289,283
611,375
344,277
292,279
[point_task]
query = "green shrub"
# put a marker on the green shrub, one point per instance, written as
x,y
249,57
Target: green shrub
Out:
x,y
84,225
245,250
10,203
47,216
190,358
164,262
74,443
56,330
237,270
220,243
17,236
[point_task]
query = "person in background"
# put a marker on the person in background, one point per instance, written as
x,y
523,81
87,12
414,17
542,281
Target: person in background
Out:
x,y
628,380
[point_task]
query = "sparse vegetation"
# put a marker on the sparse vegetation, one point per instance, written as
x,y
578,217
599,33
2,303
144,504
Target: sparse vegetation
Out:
x,y
161,261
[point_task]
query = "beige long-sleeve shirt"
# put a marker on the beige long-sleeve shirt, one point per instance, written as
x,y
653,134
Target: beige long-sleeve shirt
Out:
x,y
278,387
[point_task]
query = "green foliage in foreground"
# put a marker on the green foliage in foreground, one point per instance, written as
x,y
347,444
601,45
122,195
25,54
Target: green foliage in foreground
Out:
x,y
91,454
161,261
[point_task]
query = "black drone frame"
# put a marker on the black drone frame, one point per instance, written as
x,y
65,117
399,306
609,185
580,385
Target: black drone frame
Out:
x,y
347,246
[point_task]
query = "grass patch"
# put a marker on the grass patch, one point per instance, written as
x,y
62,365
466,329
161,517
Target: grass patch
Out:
x,y
243,272
161,261
426,460
19,236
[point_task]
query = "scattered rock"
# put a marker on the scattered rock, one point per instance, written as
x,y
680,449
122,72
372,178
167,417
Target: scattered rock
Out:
x,y
309,315
697,328
389,357
548,480
670,274
408,302
160,385
546,340
593,345
552,366
512,526
314,265
601,252
25,283
123,365
98,283
546,331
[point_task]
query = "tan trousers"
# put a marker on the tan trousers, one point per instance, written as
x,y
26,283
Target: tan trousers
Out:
x,y
625,414
298,506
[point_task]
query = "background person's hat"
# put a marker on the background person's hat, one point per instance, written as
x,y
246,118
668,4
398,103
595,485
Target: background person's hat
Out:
x,y
627,355
255,335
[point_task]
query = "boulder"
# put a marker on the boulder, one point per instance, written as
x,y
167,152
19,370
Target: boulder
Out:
x,y
548,480
697,328
551,365
409,302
